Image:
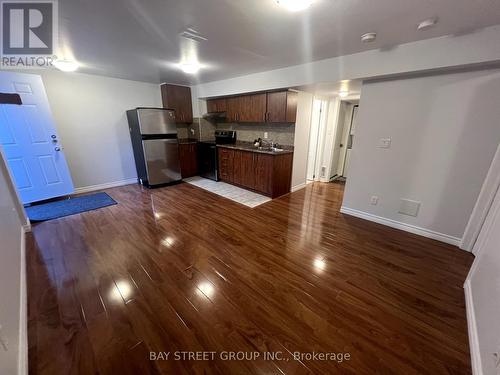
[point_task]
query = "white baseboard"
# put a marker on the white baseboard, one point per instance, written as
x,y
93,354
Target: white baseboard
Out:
x,y
23,311
298,187
475,354
301,186
403,226
107,185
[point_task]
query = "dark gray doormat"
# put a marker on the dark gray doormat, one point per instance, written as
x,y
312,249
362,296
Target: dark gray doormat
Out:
x,y
66,207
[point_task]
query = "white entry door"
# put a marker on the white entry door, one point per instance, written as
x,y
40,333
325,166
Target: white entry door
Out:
x,y
30,142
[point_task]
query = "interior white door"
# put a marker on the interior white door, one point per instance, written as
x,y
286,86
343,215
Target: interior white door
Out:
x,y
30,141
350,140
313,140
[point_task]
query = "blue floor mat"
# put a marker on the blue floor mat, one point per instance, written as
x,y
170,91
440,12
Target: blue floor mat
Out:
x,y
66,207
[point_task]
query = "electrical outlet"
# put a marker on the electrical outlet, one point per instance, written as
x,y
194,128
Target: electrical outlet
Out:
x,y
3,341
323,171
374,200
266,135
384,143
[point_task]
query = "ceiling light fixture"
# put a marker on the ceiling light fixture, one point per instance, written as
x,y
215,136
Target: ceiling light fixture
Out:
x,y
368,37
66,65
427,24
295,5
190,68
343,94
192,34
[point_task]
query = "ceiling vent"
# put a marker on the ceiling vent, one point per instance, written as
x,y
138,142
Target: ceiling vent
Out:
x,y
427,24
368,37
193,35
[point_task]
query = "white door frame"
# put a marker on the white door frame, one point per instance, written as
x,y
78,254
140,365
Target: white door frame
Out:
x,y
483,205
316,135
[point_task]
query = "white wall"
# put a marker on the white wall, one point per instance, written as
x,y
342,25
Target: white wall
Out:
x,y
12,279
89,112
301,142
478,47
444,129
482,289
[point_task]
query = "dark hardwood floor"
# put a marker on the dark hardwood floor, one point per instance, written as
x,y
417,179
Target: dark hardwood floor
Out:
x,y
181,269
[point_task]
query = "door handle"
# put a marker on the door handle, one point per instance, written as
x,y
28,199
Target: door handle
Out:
x,y
57,149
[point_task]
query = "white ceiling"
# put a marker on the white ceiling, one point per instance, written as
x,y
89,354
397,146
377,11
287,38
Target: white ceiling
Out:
x,y
140,40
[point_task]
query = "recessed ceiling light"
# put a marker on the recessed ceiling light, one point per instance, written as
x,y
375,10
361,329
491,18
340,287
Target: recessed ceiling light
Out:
x,y
426,24
343,94
66,65
190,68
295,5
368,37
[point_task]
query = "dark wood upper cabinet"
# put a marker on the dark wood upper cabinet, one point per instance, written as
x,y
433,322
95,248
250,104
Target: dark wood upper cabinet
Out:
x,y
272,107
216,105
276,106
281,106
246,108
233,108
253,108
291,106
178,98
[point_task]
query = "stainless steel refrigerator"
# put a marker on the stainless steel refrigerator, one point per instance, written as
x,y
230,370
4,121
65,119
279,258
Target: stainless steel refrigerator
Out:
x,y
153,132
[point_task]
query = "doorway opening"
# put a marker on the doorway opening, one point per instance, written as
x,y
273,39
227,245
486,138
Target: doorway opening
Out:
x,y
344,139
332,129
318,124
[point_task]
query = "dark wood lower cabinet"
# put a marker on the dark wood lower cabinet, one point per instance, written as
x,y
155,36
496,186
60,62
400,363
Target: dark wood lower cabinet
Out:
x,y
188,155
226,159
264,173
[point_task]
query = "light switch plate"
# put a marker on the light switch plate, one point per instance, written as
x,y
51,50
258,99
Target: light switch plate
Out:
x,y
409,207
384,143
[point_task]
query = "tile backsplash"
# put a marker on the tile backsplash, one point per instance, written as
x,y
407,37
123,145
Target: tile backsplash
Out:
x,y
282,134
202,129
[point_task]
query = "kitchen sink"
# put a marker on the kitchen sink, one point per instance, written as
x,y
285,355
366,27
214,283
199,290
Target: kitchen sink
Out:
x,y
271,149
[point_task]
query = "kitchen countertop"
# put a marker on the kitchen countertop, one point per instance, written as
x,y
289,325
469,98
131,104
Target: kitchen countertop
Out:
x,y
248,146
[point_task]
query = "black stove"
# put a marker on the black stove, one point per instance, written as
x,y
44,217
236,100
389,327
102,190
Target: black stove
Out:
x,y
207,153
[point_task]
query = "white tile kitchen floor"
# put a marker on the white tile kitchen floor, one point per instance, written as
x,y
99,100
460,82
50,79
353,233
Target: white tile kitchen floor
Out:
x,y
236,194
